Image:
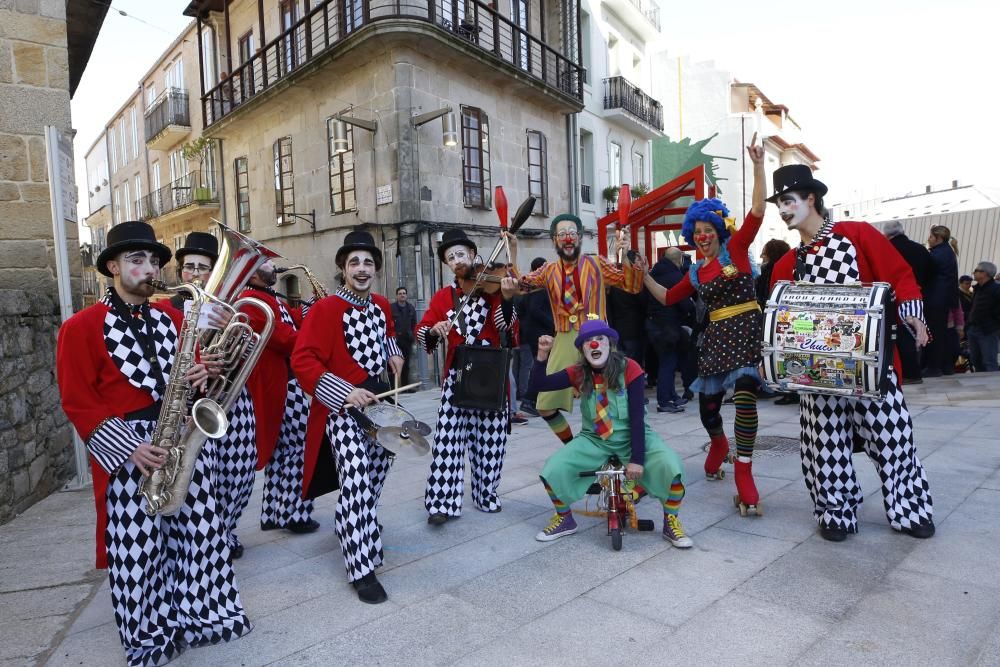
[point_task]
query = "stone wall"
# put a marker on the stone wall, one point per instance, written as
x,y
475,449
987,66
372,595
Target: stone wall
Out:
x,y
36,444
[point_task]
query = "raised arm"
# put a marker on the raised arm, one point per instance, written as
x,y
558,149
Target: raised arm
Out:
x,y
756,153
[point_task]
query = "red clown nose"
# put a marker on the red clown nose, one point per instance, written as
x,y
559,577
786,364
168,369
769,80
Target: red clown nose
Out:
x,y
594,345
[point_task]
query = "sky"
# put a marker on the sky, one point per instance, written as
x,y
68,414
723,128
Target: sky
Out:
x,y
892,95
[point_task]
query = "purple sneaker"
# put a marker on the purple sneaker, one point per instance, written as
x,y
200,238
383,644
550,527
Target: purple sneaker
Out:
x,y
560,526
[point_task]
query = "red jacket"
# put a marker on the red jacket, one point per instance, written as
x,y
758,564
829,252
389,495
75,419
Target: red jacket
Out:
x,y
441,303
878,261
269,377
92,389
320,349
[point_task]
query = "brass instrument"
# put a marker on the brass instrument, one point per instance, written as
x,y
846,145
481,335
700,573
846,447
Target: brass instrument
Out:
x,y
319,291
239,347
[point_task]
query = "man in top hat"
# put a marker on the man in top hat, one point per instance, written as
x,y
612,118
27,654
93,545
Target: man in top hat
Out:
x,y
114,361
576,286
483,318
236,451
346,344
282,412
839,253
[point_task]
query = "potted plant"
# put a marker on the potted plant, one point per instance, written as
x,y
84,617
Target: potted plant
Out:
x,y
197,151
639,190
610,195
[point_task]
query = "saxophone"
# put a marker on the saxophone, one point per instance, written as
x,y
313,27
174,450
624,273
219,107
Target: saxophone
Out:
x,y
183,435
319,291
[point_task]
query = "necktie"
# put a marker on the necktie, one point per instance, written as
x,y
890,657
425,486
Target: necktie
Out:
x,y
570,301
602,422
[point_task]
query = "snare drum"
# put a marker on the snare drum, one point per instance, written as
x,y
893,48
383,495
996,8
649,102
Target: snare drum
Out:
x,y
829,339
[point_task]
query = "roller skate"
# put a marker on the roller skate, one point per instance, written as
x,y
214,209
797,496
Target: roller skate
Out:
x,y
718,453
748,499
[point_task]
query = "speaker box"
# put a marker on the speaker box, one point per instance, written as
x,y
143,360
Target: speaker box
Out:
x,y
481,377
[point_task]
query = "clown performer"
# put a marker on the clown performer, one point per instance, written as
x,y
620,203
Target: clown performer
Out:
x,y
835,254
731,348
612,401
576,288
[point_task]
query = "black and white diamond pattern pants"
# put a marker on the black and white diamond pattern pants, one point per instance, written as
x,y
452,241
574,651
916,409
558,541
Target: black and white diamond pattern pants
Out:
x,y
171,577
362,465
484,435
282,503
236,458
830,427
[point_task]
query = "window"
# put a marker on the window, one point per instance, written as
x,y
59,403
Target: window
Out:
x,y
112,152
121,140
208,60
155,194
117,209
638,168
175,74
342,191
242,194
585,44
178,242
289,58
476,158
519,16
284,190
150,95
139,213
128,201
135,133
538,170
615,166
246,77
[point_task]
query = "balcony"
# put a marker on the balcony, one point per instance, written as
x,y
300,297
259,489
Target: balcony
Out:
x,y
468,25
630,107
643,16
168,120
189,193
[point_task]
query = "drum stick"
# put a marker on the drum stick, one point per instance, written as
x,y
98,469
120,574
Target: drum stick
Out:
x,y
393,392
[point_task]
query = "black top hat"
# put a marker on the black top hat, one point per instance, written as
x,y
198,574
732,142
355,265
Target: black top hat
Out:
x,y
359,240
198,243
795,177
131,235
454,237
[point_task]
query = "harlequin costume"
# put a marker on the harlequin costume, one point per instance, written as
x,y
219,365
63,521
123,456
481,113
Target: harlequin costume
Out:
x,y
614,424
731,345
840,253
575,291
170,577
236,451
282,412
483,433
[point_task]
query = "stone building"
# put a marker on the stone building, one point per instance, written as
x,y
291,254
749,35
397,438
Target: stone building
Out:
x,y
44,48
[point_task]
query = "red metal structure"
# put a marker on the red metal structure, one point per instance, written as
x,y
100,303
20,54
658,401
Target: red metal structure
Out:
x,y
653,212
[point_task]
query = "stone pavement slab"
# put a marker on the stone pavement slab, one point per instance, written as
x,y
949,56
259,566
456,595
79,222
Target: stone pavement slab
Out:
x,y
481,591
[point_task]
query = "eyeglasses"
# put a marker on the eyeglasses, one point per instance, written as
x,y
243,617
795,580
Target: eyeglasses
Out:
x,y
568,235
196,268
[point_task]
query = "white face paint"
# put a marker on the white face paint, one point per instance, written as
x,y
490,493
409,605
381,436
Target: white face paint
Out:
x,y
133,269
596,351
359,272
793,209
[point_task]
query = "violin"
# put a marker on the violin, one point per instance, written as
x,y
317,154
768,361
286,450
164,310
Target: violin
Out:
x,y
488,279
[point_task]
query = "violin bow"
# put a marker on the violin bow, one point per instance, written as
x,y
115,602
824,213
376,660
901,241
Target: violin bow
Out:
x,y
624,206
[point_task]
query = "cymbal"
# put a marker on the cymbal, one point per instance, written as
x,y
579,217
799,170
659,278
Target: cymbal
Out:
x,y
418,426
402,441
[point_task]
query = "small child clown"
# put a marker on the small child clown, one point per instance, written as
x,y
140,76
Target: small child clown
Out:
x,y
612,392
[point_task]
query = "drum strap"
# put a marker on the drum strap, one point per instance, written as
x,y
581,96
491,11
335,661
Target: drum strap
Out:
x,y
732,311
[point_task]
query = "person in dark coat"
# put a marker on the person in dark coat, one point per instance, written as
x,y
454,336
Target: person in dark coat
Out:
x,y
939,298
626,314
665,330
535,317
983,325
920,261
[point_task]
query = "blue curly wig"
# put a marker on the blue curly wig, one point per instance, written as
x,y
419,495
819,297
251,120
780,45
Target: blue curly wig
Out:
x,y
705,210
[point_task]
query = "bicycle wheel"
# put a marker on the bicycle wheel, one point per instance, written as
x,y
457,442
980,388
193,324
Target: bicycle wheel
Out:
x,y
616,539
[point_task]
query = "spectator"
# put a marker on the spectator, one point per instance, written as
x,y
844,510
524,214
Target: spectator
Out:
x,y
665,330
534,315
965,294
626,313
939,299
920,261
404,317
773,251
983,326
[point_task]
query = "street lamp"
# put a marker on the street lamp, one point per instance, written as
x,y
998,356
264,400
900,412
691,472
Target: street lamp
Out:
x,y
340,130
449,135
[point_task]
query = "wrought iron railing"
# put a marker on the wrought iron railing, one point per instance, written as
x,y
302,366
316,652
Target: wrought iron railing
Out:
x,y
585,194
170,108
648,9
197,187
620,93
330,22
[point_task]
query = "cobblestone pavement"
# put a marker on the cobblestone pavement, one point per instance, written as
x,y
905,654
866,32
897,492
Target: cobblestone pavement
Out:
x,y
482,591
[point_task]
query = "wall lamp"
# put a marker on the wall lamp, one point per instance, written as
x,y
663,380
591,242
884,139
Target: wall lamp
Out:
x,y
340,130
449,136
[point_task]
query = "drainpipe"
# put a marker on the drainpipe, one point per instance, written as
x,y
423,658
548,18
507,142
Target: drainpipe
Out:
x,y
573,150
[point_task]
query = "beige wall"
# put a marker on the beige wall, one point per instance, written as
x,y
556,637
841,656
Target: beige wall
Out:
x,y
34,92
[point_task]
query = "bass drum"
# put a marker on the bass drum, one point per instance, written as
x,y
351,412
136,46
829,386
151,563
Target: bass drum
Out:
x,y
829,339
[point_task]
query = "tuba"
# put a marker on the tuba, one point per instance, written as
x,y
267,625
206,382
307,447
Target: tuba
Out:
x,y
239,347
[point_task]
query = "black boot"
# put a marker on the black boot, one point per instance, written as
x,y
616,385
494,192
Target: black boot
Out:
x,y
832,534
921,530
369,590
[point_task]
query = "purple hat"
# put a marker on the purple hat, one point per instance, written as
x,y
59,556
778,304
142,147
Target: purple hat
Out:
x,y
592,328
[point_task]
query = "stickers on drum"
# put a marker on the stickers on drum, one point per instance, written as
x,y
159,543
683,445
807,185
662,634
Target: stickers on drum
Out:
x,y
829,338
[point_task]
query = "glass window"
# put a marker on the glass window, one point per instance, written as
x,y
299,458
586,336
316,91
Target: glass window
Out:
x,y
616,165
284,189
476,158
538,170
242,194
342,187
